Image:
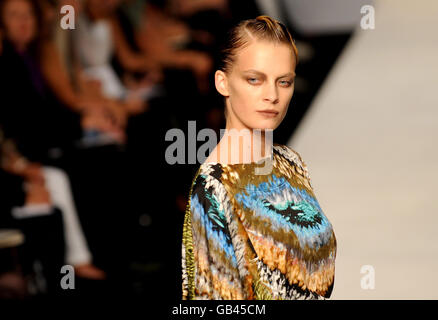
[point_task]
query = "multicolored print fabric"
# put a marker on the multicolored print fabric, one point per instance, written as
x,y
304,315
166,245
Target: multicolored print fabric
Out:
x,y
262,237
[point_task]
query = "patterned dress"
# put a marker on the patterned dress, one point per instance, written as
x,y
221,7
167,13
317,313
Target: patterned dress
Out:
x,y
249,236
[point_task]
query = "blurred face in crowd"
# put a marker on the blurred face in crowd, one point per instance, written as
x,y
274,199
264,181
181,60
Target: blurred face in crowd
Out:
x,y
49,11
261,78
101,8
20,22
76,4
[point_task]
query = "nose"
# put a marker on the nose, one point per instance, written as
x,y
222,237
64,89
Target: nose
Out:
x,y
271,94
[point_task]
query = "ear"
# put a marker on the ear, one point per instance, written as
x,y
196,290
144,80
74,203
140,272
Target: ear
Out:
x,y
221,82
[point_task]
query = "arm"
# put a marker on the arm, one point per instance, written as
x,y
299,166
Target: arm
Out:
x,y
210,268
91,104
13,162
129,59
57,78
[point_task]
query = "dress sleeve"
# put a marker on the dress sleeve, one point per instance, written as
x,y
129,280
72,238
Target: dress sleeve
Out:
x,y
316,246
210,269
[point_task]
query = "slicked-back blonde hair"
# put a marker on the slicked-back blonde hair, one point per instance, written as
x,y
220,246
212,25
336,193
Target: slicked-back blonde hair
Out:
x,y
261,28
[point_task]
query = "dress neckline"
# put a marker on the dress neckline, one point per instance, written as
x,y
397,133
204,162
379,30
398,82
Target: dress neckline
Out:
x,y
260,161
206,166
257,162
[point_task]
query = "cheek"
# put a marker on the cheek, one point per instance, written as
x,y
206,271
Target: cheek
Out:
x,y
244,98
286,98
33,28
288,92
24,29
28,28
237,99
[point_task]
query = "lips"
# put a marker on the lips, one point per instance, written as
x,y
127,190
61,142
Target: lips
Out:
x,y
268,113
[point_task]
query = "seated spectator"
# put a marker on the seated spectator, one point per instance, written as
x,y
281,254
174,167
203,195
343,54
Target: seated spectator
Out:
x,y
101,114
96,41
38,124
47,188
35,266
163,38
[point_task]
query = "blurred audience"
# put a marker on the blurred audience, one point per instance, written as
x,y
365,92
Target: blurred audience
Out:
x,y
83,114
26,122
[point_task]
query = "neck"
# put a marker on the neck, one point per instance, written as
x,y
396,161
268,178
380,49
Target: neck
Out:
x,y
244,145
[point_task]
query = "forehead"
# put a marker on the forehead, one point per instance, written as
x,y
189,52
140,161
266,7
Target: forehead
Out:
x,y
17,5
268,57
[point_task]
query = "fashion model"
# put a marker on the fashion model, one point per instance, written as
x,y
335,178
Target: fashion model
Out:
x,y
246,235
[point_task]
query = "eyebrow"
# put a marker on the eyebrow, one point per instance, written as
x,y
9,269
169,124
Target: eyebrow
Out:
x,y
259,72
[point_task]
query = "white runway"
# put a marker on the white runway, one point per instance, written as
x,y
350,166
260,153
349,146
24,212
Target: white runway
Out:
x,y
370,141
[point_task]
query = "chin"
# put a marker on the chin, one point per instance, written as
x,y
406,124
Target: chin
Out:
x,y
268,125
268,128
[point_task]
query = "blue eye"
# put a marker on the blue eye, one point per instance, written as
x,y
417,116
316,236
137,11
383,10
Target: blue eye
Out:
x,y
287,83
251,80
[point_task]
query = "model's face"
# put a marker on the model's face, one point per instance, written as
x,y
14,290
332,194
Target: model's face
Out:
x,y
262,78
20,22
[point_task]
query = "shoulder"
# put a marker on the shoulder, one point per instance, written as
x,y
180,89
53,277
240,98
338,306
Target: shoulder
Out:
x,y
209,201
292,156
207,184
